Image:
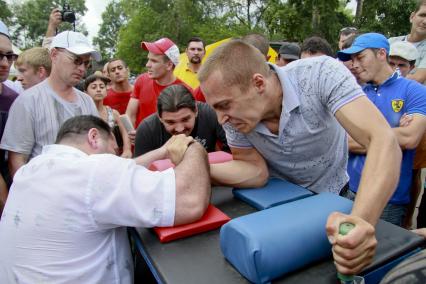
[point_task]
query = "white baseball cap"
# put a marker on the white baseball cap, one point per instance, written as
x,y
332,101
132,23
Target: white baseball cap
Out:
x,y
404,49
3,29
75,43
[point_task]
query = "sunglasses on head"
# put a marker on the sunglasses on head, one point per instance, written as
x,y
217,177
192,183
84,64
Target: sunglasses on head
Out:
x,y
349,29
9,56
77,60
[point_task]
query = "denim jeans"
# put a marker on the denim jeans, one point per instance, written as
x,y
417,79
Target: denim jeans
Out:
x,y
393,213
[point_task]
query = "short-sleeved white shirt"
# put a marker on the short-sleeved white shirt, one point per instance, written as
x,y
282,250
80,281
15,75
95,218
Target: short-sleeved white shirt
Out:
x,y
65,217
311,147
36,116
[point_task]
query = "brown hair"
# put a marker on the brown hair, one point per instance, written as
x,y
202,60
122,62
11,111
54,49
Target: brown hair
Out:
x,y
259,41
419,4
237,61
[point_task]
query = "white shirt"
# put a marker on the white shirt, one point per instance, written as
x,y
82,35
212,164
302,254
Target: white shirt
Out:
x,y
14,85
65,217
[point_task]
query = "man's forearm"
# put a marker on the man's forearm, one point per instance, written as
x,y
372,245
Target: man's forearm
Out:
x,y
3,193
238,173
355,147
154,155
407,140
379,178
16,160
193,189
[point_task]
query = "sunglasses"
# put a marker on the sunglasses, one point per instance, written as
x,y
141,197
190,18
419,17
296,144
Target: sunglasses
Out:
x,y
349,29
77,60
9,56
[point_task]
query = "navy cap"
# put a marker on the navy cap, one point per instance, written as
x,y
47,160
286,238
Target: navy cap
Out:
x,y
364,41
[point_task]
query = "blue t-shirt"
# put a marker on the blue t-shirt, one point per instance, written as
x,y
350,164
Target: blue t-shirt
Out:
x,y
395,97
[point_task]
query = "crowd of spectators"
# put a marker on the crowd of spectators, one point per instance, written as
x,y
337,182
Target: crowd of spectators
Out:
x,y
350,122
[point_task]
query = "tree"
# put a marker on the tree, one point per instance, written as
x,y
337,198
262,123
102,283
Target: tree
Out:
x,y
5,13
113,18
389,17
31,18
296,20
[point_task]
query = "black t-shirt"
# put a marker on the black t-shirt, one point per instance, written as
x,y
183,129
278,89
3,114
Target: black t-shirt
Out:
x,y
151,133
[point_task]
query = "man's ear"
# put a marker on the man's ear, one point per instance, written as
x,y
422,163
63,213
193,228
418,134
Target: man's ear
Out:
x,y
170,65
42,72
93,137
412,16
258,81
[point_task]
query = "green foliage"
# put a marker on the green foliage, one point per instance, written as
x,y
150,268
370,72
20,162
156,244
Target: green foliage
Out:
x,y
144,24
213,20
5,13
389,17
32,16
112,19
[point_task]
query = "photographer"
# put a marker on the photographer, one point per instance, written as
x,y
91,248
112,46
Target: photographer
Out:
x,y
55,19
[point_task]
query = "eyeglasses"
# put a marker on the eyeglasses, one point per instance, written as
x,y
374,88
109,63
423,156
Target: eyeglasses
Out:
x,y
77,60
9,56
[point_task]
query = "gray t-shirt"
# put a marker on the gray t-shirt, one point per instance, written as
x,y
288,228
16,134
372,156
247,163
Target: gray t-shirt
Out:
x,y
36,116
311,147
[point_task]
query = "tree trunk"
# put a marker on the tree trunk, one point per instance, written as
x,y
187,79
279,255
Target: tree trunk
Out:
x,y
358,12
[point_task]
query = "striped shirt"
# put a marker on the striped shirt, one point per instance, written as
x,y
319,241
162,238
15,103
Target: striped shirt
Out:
x,y
36,116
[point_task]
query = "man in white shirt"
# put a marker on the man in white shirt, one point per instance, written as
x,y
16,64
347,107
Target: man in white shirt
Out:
x,y
66,216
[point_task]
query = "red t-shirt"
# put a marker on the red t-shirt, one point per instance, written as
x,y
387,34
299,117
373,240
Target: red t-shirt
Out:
x,y
198,95
117,101
147,90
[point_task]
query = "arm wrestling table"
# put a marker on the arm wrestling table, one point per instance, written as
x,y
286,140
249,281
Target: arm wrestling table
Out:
x,y
198,259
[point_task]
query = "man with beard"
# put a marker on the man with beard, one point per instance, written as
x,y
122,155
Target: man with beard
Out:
x,y
38,113
118,95
195,51
178,113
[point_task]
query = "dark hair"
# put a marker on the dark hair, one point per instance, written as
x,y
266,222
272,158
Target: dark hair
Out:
x,y
174,98
349,41
419,4
81,124
95,76
259,41
348,31
116,59
196,39
316,44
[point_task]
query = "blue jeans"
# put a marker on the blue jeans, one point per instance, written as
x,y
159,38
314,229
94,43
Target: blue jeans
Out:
x,y
393,213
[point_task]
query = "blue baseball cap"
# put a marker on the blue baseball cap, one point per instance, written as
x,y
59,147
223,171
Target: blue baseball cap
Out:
x,y
364,41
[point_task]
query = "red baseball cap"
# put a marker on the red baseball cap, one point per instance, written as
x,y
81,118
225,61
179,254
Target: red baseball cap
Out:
x,y
163,46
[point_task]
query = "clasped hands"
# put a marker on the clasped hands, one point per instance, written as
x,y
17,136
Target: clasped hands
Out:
x,y
176,147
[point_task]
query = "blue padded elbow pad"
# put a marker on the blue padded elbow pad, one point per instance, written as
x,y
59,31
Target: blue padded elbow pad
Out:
x,y
276,192
270,243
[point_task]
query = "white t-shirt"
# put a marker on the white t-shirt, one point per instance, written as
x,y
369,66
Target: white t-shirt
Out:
x,y
65,217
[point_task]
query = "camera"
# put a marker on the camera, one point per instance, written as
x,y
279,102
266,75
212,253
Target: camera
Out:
x,y
67,14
